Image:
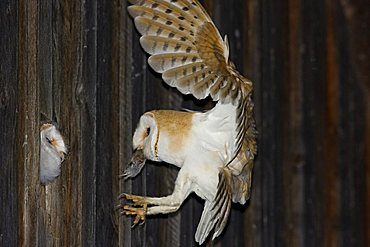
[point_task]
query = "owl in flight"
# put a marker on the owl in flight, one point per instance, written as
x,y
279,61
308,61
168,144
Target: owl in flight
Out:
x,y
215,149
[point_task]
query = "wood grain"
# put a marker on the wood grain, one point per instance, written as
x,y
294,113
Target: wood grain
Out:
x,y
8,122
80,65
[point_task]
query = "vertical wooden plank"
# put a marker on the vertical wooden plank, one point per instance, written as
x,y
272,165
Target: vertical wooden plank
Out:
x,y
266,128
254,214
8,122
27,137
68,108
122,109
292,128
272,36
86,94
45,60
105,234
354,55
49,198
353,101
330,173
313,79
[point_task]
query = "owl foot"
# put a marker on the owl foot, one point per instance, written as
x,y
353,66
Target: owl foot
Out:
x,y
139,213
138,209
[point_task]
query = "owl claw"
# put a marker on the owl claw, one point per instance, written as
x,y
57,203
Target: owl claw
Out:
x,y
138,209
139,214
138,200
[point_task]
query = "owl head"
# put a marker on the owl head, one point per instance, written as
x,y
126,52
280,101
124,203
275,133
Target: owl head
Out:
x,y
52,152
53,140
146,137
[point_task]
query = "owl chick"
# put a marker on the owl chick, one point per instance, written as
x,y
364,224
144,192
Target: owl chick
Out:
x,y
52,153
215,149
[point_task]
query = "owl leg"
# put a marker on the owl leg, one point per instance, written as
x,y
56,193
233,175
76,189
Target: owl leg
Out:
x,y
179,194
160,205
162,209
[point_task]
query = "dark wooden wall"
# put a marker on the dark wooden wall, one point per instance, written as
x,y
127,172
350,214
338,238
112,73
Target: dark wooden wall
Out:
x,y
78,63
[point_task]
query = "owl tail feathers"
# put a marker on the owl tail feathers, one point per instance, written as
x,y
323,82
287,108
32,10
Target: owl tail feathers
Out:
x,y
216,212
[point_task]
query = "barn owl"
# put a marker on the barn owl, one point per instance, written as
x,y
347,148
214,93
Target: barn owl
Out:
x,y
215,149
52,153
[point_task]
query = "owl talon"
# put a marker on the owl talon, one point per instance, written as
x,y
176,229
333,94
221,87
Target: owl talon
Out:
x,y
137,200
139,214
138,209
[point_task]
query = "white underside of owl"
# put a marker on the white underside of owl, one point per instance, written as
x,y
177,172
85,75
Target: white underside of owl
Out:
x,y
206,149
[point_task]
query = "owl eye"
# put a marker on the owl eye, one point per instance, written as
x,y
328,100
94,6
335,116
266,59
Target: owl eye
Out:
x,y
49,140
147,131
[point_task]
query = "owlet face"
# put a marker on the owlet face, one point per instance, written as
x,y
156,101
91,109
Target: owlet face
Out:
x,y
53,140
146,137
52,153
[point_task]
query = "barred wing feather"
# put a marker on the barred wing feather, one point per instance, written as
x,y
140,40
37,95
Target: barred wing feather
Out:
x,y
186,47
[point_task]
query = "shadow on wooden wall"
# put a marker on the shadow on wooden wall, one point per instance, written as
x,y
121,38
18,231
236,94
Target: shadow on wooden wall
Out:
x,y
79,64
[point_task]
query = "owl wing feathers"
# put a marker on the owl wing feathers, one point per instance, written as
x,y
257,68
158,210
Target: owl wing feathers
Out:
x,y
241,166
216,212
186,47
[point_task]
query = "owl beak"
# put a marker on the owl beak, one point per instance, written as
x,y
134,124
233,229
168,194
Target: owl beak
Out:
x,y
62,155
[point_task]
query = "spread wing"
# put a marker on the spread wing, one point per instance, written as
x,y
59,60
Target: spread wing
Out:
x,y
186,47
